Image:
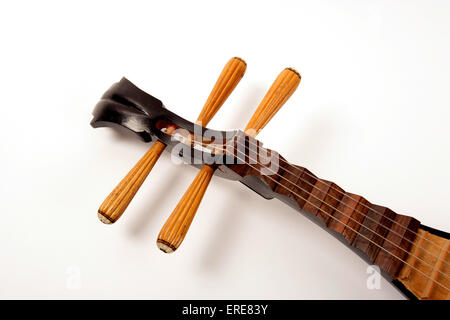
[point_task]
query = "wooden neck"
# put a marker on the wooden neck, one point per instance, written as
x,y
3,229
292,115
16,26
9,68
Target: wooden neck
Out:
x,y
384,236
397,243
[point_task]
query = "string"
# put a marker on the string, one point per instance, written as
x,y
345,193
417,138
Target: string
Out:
x,y
356,232
370,208
362,224
355,209
335,209
363,204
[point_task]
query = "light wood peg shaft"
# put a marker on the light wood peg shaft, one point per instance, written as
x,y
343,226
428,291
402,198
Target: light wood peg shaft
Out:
x,y
282,88
177,225
118,200
231,74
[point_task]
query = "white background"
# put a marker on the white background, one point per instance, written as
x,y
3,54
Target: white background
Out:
x,y
371,114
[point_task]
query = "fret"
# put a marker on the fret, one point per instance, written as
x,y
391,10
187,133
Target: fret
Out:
x,y
382,235
377,222
346,208
398,242
331,202
350,214
365,226
296,183
320,203
416,250
429,263
305,184
436,271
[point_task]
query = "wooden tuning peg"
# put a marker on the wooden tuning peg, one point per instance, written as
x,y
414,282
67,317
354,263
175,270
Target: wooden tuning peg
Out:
x,y
177,225
118,200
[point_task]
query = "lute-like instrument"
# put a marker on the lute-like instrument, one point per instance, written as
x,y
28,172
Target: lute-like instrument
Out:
x,y
414,257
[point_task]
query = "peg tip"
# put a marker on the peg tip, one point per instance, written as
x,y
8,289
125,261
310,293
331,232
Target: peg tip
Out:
x,y
104,219
294,71
240,59
164,246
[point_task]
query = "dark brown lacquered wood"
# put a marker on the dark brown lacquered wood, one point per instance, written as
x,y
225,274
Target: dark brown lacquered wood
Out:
x,y
384,236
177,225
351,210
379,219
118,200
394,242
418,261
297,179
398,241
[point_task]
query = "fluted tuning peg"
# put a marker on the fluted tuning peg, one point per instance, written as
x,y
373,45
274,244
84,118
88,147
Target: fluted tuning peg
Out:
x,y
118,200
177,225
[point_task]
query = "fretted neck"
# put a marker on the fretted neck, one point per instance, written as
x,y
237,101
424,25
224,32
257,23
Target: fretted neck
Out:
x,y
415,259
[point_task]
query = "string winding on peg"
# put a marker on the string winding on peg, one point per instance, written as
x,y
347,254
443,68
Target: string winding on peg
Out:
x,y
177,225
118,200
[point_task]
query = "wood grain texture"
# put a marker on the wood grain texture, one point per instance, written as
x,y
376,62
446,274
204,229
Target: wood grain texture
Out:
x,y
394,242
428,249
230,76
174,230
385,237
118,200
279,92
177,225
